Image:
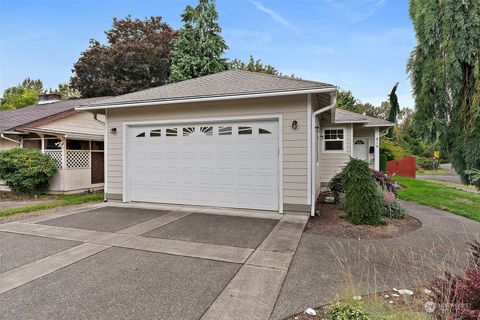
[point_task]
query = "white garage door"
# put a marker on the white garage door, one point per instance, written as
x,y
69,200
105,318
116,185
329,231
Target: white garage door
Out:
x,y
227,165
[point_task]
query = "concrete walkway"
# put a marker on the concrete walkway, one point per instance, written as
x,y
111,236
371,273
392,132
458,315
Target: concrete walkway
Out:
x,y
326,267
251,293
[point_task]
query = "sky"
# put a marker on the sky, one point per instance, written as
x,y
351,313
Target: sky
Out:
x,y
357,45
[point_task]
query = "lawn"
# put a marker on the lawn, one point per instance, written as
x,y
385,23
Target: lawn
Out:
x,y
56,201
435,195
438,171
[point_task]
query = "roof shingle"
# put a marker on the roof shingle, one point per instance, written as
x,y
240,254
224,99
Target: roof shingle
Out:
x,y
12,119
344,116
222,84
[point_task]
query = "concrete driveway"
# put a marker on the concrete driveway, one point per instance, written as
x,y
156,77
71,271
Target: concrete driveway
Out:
x,y
136,263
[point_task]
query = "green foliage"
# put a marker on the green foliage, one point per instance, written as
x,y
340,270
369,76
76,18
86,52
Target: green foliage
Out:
x,y
394,210
22,95
392,150
68,92
473,176
26,170
136,57
383,162
253,66
346,101
444,69
394,109
424,163
198,50
346,311
363,199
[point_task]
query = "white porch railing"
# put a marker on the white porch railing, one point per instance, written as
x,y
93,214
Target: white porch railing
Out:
x,y
75,159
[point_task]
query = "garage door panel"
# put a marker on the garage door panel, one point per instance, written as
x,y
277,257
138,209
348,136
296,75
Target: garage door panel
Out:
x,y
200,166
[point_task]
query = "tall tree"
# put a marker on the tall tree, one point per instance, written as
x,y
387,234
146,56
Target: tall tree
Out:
x,y
67,92
394,108
198,50
136,57
21,95
346,101
254,66
444,69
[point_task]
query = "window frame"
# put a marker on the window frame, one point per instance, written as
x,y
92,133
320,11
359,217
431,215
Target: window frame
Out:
x,y
344,140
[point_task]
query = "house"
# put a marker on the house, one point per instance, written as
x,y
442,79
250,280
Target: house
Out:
x,y
74,139
233,139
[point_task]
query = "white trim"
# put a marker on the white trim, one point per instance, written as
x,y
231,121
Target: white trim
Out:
x,y
309,149
105,157
349,121
344,140
378,125
351,139
220,98
312,181
376,160
9,139
276,117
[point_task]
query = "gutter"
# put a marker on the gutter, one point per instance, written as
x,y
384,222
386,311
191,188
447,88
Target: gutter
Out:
x,y
9,139
313,140
206,99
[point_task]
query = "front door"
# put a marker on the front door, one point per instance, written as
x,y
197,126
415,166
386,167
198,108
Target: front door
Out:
x,y
360,148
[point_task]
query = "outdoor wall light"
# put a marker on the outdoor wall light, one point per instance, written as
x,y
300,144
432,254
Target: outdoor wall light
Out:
x,y
294,124
113,131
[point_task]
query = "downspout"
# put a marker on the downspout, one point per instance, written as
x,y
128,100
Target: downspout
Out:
x,y
95,117
313,153
9,139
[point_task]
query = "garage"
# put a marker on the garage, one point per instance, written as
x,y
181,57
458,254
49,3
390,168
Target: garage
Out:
x,y
228,164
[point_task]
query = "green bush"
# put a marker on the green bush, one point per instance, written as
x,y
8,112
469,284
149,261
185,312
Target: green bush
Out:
x,y
392,150
424,163
383,162
346,311
363,198
394,210
26,170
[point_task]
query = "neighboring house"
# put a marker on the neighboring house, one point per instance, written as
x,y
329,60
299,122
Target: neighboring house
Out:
x,y
74,139
232,139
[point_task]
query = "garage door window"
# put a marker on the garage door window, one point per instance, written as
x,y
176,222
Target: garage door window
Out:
x,y
141,135
171,132
156,133
225,130
244,130
263,131
188,131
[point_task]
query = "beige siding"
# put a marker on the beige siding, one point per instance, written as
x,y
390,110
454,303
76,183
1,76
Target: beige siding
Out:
x,y
6,144
330,164
79,122
294,141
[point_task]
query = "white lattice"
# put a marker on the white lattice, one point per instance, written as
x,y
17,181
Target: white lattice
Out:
x,y
78,159
56,155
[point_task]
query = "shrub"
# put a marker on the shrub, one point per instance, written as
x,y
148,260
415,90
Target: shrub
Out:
x,y
424,163
460,294
392,150
26,170
384,181
336,184
383,162
393,210
344,311
363,199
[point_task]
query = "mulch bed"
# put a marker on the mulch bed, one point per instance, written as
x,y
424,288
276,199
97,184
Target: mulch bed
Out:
x,y
329,222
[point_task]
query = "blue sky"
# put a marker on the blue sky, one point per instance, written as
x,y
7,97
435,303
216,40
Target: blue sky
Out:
x,y
359,45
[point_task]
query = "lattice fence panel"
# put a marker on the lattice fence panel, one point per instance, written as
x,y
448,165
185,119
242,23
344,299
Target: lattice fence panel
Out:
x,y
78,159
56,155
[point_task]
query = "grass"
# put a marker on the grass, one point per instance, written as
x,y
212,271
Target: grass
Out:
x,y
438,171
435,195
56,201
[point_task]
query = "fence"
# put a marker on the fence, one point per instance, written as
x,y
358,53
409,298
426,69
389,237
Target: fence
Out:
x,y
405,167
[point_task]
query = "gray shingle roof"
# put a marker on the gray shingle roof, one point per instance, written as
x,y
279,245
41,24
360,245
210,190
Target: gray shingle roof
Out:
x,y
344,116
222,84
16,118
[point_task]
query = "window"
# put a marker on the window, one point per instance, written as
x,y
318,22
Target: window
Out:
x,y
263,131
156,133
244,130
32,143
78,145
53,144
206,131
187,131
141,135
224,130
97,145
171,132
333,140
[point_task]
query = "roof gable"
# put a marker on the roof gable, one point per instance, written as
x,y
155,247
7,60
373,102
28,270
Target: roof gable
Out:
x,y
344,116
